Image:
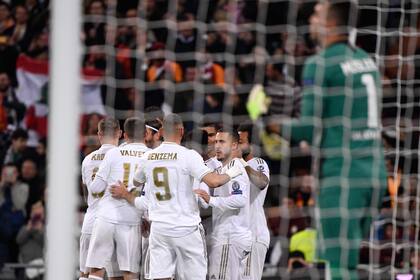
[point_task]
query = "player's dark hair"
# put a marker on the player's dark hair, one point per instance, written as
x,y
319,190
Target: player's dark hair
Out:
x,y
171,123
155,124
232,132
152,113
246,127
134,129
344,12
108,127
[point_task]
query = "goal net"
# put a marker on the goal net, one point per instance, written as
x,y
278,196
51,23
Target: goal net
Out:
x,y
229,62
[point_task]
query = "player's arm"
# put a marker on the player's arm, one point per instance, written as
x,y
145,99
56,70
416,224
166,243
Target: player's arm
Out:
x,y
83,186
202,173
237,199
215,180
139,178
311,105
258,178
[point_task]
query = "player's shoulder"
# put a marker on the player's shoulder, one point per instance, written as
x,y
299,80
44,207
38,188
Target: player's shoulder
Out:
x,y
257,161
258,164
91,156
112,153
235,162
213,163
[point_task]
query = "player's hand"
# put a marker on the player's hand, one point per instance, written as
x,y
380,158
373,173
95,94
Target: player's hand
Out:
x,y
233,172
119,191
203,194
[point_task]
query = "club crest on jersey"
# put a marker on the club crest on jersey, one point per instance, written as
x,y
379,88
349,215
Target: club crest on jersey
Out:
x,y
236,188
260,168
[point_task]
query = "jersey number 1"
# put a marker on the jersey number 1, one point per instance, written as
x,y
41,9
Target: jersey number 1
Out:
x,y
369,83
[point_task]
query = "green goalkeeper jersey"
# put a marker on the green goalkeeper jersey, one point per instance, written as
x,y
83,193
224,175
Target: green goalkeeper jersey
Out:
x,y
340,113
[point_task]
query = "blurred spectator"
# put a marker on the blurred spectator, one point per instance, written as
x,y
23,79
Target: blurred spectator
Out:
x,y
285,99
17,148
415,261
31,240
186,38
36,118
304,241
6,21
8,58
95,59
94,29
158,72
38,48
89,138
11,110
13,197
41,157
21,32
29,175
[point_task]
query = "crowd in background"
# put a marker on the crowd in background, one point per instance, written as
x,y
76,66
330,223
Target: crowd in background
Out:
x,y
200,59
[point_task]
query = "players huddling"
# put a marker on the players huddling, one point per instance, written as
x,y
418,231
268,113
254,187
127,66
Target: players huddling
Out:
x,y
163,185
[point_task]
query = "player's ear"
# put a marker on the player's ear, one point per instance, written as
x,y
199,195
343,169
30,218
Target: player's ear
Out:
x,y
181,131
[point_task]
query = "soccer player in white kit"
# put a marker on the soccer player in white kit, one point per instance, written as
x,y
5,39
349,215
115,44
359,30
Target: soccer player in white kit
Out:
x,y
176,239
231,238
117,227
108,133
259,175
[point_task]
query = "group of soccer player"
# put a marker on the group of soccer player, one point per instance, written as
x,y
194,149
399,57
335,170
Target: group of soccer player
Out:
x,y
145,196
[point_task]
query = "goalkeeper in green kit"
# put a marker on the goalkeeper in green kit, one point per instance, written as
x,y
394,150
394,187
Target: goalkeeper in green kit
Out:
x,y
340,115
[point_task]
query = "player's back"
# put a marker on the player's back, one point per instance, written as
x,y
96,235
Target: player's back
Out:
x,y
259,228
120,164
351,97
170,172
90,166
229,224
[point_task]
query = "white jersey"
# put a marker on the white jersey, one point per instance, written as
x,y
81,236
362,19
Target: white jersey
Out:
x,y
169,172
231,206
90,166
120,164
259,226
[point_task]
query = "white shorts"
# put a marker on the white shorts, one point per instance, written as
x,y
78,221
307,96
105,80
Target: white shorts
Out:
x,y
254,265
170,256
108,238
111,268
228,261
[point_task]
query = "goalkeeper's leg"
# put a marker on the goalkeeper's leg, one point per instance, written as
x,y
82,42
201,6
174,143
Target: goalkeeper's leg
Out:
x,y
342,229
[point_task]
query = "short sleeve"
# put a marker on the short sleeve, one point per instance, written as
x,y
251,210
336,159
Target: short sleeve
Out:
x,y
106,164
140,174
196,166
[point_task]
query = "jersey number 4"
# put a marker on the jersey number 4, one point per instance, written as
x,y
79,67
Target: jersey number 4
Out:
x,y
161,180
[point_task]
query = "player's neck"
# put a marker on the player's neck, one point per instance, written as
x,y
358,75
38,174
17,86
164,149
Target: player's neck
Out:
x,y
173,140
130,141
227,160
334,39
248,157
109,142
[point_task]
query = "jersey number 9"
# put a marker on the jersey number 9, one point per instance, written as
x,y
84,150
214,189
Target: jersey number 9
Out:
x,y
160,179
